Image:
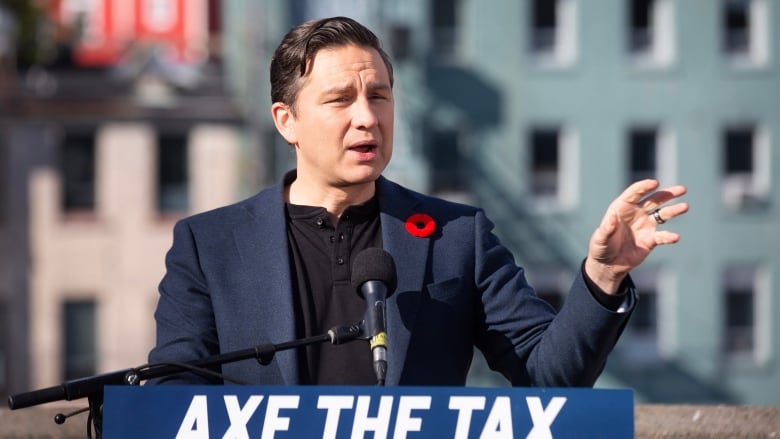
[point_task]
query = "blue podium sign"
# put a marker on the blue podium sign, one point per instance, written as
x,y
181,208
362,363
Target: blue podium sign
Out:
x,y
200,412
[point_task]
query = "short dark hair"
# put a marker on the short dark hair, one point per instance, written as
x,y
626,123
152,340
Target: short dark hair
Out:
x,y
293,57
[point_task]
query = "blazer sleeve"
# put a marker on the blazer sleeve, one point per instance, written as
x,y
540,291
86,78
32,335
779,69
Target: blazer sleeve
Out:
x,y
186,328
522,337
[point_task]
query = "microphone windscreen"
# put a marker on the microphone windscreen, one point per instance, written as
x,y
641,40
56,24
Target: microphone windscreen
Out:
x,y
374,263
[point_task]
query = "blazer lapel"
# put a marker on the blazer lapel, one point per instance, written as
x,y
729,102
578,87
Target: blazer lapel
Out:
x,y
410,255
262,244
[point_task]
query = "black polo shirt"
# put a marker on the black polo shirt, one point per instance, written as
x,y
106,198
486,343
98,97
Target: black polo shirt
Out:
x,y
321,265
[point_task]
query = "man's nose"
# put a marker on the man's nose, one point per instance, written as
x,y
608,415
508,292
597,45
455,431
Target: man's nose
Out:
x,y
363,114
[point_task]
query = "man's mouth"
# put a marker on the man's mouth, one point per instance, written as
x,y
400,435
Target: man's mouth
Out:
x,y
364,147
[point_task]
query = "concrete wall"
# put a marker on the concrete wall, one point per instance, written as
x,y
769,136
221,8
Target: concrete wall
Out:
x,y
650,422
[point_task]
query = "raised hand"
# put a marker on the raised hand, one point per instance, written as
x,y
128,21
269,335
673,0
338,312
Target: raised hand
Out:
x,y
630,230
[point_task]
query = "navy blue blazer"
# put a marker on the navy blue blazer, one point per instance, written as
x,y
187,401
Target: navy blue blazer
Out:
x,y
228,287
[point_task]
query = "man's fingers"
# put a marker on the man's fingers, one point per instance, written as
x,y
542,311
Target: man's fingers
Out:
x,y
663,237
661,197
636,191
666,213
608,225
599,243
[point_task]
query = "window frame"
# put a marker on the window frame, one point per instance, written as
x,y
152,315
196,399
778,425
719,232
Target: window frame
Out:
x,y
562,52
566,175
747,190
756,52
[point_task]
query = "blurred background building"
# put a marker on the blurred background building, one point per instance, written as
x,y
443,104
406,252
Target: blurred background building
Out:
x,y
118,117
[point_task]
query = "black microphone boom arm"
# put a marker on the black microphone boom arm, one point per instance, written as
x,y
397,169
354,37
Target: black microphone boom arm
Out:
x,y
93,385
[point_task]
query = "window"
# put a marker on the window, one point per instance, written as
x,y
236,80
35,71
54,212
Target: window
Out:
x,y
739,314
553,37
448,167
643,162
159,15
80,339
736,22
215,17
78,170
90,18
745,167
545,162
650,153
644,321
640,25
651,32
401,42
553,167
642,333
444,22
544,24
746,32
172,173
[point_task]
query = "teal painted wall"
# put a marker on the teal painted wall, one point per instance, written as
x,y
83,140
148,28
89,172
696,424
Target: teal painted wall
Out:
x,y
600,96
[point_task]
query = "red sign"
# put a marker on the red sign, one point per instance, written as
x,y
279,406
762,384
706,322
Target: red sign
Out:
x,y
106,29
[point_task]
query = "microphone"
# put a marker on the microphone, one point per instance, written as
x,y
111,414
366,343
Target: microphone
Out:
x,y
374,278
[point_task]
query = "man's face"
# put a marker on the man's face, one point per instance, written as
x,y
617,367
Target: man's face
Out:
x,y
342,129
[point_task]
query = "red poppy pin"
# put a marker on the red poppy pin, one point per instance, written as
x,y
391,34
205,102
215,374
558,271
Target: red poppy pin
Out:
x,y
420,225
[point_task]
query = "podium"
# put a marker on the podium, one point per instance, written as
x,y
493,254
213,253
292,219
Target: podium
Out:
x,y
120,408
189,412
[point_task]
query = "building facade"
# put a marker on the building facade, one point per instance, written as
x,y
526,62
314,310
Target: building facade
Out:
x,y
543,111
592,96
105,144
540,111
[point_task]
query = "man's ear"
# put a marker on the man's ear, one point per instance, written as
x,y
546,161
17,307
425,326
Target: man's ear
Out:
x,y
284,121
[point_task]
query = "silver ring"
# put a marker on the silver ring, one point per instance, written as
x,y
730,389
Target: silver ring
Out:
x,y
657,216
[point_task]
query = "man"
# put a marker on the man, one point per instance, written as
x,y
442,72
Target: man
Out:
x,y
277,266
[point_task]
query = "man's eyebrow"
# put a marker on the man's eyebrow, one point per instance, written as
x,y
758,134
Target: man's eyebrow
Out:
x,y
339,89
349,88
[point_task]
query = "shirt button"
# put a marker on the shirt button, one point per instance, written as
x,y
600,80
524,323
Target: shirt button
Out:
x,y
341,236
340,261
320,222
332,238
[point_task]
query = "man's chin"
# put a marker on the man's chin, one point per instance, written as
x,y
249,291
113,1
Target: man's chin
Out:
x,y
362,177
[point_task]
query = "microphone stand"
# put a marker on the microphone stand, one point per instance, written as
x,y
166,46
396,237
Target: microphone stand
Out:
x,y
92,387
